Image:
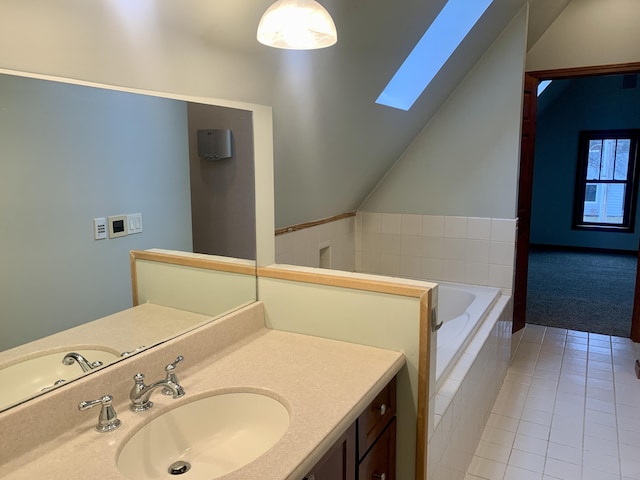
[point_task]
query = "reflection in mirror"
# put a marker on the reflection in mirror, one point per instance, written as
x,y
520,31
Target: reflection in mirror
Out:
x,y
72,154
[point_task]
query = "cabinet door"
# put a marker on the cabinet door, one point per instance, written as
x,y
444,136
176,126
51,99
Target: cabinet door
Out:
x,y
339,463
380,461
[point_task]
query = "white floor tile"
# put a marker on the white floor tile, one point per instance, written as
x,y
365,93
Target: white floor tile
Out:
x,y
607,407
603,463
601,431
630,469
530,444
565,453
504,423
569,410
600,445
536,416
493,451
527,460
628,437
515,473
535,430
485,468
604,394
563,470
571,438
498,436
588,474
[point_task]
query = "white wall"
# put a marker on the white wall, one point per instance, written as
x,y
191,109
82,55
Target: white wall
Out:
x,y
465,161
302,247
70,154
587,33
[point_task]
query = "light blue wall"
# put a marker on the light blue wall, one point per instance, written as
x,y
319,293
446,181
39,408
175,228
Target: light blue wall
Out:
x,y
597,103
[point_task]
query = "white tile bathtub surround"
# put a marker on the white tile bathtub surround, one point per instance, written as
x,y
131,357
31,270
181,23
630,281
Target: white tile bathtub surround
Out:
x,y
503,230
411,224
473,250
478,228
455,227
462,407
302,247
432,226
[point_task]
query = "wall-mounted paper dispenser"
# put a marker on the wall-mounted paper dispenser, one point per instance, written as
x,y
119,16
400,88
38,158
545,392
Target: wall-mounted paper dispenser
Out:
x,y
214,144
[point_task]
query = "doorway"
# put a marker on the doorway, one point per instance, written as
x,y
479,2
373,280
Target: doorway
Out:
x,y
526,190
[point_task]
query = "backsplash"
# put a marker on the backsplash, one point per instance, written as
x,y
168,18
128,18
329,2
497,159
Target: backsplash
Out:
x,y
478,251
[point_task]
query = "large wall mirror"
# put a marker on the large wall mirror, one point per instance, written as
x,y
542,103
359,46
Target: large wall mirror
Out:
x,y
72,153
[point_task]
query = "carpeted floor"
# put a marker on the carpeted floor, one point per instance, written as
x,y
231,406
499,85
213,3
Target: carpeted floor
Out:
x,y
591,292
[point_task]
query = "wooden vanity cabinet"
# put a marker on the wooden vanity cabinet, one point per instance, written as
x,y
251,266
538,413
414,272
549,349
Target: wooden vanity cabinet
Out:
x,y
367,450
339,463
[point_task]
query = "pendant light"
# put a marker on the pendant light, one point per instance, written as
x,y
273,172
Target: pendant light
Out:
x,y
297,25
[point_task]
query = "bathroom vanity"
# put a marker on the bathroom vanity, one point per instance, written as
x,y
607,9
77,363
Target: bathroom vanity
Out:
x,y
333,391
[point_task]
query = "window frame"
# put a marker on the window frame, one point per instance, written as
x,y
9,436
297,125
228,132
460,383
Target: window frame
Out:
x,y
631,192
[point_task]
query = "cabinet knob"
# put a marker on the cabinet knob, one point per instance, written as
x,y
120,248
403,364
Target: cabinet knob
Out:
x,y
380,476
383,410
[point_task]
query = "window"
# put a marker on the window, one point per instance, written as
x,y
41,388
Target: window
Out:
x,y
442,38
606,186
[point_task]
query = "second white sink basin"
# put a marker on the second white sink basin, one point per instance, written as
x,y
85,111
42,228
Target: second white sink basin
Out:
x,y
29,377
206,438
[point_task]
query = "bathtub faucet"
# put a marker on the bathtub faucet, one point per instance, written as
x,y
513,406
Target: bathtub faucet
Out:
x,y
435,326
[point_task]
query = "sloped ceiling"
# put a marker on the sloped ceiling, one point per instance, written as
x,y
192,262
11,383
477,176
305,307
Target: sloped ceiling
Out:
x,y
332,143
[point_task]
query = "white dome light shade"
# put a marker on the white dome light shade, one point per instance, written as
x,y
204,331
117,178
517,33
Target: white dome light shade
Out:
x,y
297,25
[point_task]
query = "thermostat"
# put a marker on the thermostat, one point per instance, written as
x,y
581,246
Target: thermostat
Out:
x,y
118,226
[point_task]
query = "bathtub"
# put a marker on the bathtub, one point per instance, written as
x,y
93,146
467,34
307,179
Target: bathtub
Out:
x,y
471,352
461,309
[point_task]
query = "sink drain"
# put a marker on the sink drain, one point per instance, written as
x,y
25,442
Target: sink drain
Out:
x,y
179,467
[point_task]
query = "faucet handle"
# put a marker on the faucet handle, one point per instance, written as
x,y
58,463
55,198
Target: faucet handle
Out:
x,y
108,419
172,366
171,376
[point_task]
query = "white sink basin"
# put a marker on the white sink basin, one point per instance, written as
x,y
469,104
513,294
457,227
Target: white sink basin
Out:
x,y
213,436
34,375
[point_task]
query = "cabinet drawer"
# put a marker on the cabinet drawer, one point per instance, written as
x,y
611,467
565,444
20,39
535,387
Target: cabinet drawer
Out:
x,y
380,462
375,417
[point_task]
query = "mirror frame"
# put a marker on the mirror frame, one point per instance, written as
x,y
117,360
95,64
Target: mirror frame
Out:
x,y
263,167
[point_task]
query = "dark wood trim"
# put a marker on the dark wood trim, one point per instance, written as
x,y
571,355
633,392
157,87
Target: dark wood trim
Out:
x,y
613,69
635,316
302,226
525,195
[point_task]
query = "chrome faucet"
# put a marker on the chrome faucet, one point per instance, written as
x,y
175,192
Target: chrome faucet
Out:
x,y
85,364
140,393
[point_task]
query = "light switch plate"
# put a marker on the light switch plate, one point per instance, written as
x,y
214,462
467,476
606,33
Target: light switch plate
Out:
x,y
134,223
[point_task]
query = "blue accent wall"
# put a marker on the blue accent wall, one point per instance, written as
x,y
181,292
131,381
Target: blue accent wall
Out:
x,y
564,109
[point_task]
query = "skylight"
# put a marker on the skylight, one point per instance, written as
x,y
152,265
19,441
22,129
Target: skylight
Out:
x,y
542,85
441,39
